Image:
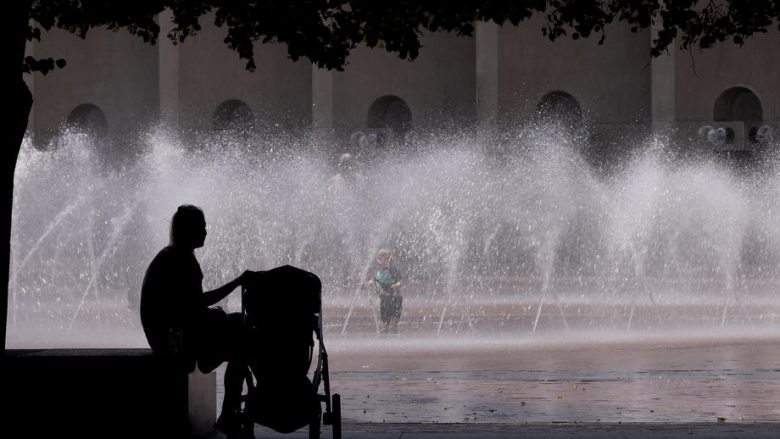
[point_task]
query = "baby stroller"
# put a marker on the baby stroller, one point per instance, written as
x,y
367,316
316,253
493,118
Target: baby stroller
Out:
x,y
282,311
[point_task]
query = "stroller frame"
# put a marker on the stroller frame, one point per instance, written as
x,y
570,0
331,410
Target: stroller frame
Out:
x,y
332,414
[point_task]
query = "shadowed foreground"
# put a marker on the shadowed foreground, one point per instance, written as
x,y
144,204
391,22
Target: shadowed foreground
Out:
x,y
715,385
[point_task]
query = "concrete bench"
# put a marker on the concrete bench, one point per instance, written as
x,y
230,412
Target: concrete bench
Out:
x,y
103,393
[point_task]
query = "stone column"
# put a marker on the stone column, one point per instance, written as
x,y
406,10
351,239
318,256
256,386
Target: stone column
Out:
x,y
662,88
168,74
323,129
487,80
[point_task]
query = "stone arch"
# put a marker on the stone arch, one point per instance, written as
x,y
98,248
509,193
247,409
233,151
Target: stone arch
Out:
x,y
738,104
89,119
559,107
390,112
233,115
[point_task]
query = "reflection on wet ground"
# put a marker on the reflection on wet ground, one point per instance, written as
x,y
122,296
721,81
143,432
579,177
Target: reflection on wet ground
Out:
x,y
714,377
567,398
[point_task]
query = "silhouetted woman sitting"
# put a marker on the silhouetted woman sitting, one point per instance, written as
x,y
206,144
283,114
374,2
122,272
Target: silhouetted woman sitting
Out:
x,y
178,317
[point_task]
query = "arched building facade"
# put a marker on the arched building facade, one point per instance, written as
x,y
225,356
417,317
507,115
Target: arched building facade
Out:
x,y
491,82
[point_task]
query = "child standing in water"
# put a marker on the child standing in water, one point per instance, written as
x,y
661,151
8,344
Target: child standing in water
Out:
x,y
386,282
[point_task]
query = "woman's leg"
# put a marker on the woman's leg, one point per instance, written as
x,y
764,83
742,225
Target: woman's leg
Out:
x,y
235,373
236,355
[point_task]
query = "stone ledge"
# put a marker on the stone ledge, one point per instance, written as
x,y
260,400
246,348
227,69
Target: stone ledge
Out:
x,y
104,393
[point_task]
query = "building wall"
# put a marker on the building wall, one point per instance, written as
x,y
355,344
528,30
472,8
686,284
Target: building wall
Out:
x,y
610,81
278,91
701,76
115,71
438,87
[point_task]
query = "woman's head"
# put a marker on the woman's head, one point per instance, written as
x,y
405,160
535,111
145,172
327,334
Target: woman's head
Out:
x,y
188,227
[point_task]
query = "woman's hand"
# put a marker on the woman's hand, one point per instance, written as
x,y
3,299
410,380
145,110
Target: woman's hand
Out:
x,y
244,277
214,296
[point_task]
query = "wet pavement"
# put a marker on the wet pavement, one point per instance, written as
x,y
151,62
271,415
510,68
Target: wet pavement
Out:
x,y
589,371
716,383
543,430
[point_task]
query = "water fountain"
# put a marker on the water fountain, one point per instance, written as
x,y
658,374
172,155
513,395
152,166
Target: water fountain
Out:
x,y
527,243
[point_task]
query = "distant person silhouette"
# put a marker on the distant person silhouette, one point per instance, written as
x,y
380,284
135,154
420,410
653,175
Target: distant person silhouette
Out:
x,y
387,283
346,178
178,317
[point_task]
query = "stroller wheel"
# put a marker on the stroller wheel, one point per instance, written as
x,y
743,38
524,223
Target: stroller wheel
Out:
x,y
314,425
245,432
336,416
248,429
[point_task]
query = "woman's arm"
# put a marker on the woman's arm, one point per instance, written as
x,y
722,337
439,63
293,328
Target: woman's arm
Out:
x,y
211,297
